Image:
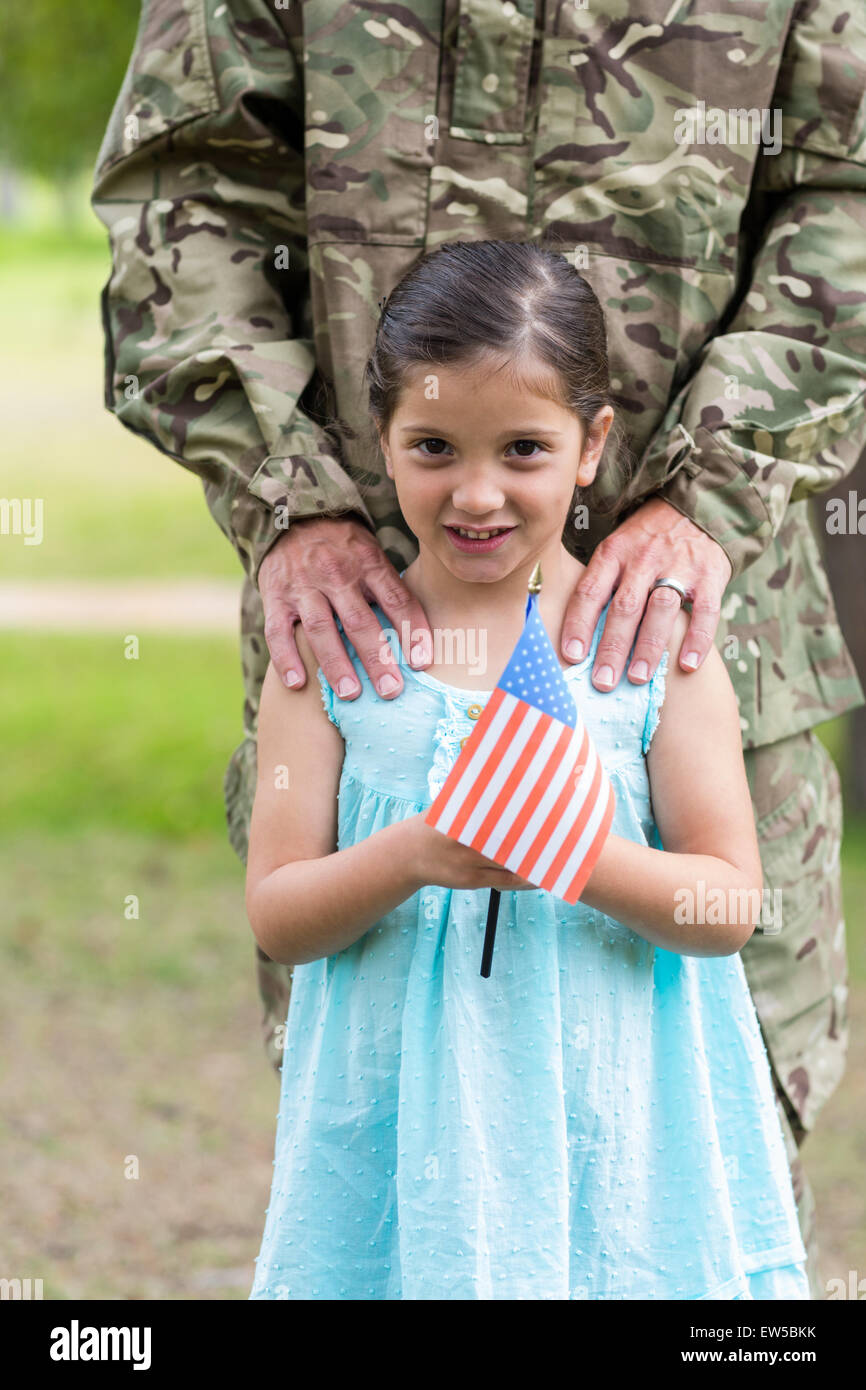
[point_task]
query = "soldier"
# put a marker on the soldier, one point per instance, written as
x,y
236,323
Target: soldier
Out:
x,y
269,173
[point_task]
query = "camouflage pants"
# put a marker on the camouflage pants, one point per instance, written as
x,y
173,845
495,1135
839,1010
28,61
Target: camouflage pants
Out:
x,y
797,972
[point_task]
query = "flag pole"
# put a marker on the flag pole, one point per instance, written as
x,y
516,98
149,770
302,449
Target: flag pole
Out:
x,y
490,933
533,587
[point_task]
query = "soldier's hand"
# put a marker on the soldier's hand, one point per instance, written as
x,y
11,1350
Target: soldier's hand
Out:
x,y
324,566
655,542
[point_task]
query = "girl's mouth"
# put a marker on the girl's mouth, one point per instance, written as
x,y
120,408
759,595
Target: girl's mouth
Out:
x,y
474,541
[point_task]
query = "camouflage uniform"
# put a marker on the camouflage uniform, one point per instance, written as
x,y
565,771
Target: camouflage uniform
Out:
x,y
269,172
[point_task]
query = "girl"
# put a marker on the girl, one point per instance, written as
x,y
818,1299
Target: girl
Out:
x,y
597,1119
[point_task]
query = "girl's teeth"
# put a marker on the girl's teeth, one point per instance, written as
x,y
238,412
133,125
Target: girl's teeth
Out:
x,y
478,535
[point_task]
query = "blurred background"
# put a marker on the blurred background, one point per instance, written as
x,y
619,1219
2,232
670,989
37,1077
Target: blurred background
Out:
x,y
132,1042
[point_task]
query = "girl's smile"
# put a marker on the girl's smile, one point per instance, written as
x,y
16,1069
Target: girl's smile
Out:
x,y
473,541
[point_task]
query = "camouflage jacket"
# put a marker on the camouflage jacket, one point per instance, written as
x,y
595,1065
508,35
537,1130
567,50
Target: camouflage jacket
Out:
x,y
271,170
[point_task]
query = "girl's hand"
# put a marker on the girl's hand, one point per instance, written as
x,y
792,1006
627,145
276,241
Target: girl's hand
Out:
x,y
443,862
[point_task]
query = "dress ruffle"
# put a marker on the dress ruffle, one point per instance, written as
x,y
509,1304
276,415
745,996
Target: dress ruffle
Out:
x,y
449,733
656,700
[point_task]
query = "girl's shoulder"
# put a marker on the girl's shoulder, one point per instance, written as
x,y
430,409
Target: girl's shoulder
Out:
x,y
368,707
621,721
700,706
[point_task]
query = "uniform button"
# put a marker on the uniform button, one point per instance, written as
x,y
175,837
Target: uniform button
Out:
x,y
464,741
474,712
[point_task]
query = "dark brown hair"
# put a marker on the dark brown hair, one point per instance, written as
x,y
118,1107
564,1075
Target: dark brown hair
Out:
x,y
471,299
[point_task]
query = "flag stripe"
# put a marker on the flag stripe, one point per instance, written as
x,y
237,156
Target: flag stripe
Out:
x,y
528,739
466,770
579,797
578,883
498,763
524,791
523,833
575,830
587,840
583,843
552,827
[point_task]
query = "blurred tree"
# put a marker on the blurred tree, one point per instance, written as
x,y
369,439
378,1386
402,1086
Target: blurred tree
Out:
x,y
61,66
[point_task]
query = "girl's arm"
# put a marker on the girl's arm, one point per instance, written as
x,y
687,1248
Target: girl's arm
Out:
x,y
703,809
305,899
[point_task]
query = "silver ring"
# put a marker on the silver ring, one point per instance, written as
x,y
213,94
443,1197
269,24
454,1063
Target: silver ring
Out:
x,y
672,584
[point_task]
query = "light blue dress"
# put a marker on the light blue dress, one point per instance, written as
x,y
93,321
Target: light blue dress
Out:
x,y
596,1120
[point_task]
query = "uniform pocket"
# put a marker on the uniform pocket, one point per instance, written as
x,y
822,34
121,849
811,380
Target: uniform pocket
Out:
x,y
169,79
370,124
620,165
492,68
822,83
795,962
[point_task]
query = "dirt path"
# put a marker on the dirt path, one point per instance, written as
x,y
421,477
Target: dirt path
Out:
x,y
132,605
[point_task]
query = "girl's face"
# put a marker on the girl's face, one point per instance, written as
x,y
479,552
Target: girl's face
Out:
x,y
485,468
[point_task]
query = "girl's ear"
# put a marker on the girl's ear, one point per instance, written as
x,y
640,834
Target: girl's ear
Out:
x,y
593,445
383,445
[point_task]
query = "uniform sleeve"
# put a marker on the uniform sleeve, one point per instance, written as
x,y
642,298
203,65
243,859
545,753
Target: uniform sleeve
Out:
x,y
208,332
775,410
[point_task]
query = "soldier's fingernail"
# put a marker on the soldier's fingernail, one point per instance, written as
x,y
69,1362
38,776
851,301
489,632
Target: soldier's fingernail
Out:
x,y
420,654
691,659
639,671
347,687
387,685
574,649
604,676
292,678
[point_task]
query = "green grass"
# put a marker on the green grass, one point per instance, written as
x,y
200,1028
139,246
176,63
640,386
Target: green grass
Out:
x,y
92,739
854,894
113,505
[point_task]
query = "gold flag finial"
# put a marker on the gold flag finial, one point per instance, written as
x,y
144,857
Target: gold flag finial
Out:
x,y
534,585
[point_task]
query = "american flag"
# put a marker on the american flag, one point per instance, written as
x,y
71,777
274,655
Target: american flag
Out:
x,y
528,789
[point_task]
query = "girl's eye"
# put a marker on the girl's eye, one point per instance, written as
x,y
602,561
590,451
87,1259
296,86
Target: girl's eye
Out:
x,y
533,443
438,452
431,440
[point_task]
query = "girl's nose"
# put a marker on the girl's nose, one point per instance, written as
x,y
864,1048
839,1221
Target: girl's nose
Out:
x,y
478,496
